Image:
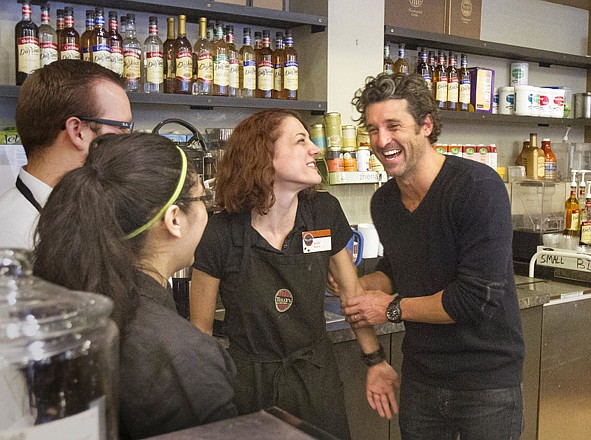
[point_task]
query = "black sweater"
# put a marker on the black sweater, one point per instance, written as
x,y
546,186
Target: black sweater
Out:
x,y
458,240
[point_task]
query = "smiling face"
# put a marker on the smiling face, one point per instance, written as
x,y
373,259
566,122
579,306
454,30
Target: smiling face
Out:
x,y
294,158
396,140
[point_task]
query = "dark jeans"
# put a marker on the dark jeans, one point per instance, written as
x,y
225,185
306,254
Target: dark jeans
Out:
x,y
432,413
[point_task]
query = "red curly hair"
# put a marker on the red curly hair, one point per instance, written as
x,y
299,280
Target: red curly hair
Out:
x,y
246,175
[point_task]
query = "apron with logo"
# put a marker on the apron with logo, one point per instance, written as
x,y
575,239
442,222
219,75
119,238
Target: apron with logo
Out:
x,y
287,359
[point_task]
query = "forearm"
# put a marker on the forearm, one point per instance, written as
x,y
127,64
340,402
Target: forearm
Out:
x,y
428,309
377,281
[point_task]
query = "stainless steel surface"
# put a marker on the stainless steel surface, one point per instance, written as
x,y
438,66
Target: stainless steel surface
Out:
x,y
565,377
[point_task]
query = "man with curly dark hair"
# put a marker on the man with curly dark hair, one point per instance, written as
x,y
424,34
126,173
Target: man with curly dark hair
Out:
x,y
445,224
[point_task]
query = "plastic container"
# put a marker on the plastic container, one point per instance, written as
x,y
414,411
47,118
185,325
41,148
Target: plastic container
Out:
x,y
519,73
59,358
523,100
506,100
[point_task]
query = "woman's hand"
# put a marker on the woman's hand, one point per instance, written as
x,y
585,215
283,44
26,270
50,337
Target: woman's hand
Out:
x,y
382,379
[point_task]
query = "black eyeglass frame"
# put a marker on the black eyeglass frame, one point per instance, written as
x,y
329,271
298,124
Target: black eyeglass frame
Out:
x,y
207,199
119,124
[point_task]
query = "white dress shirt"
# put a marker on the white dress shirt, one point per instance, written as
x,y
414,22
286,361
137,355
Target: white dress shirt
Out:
x,y
18,217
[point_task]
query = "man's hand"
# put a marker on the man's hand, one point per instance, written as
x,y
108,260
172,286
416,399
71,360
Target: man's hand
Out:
x,y
381,381
366,310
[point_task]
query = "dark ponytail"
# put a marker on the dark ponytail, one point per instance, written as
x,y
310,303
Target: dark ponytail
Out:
x,y
81,233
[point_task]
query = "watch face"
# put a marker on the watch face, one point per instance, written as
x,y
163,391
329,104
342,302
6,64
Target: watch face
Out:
x,y
393,312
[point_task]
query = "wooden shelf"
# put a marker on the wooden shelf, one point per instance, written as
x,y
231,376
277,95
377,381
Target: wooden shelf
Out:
x,y
204,102
415,39
194,9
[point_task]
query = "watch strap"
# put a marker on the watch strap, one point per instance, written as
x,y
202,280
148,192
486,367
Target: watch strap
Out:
x,y
374,358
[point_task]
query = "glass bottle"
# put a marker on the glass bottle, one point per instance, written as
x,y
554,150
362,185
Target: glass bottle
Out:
x,y
453,81
432,63
572,211
116,44
465,85
183,59
265,67
221,64
585,238
247,67
388,63
533,159
47,38
168,51
69,40
278,60
234,63
203,84
153,59
59,25
423,68
549,160
100,51
440,82
524,148
85,38
581,196
401,65
26,45
132,57
210,31
290,69
258,42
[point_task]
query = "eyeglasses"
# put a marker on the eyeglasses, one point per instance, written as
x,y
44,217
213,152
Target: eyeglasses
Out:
x,y
207,199
119,124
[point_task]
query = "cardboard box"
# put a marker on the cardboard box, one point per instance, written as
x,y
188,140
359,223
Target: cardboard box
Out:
x,y
482,83
269,4
422,15
463,18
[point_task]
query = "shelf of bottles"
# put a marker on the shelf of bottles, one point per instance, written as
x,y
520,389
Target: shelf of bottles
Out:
x,y
193,9
415,39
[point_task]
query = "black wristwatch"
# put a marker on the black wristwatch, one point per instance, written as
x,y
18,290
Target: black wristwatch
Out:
x,y
374,358
393,312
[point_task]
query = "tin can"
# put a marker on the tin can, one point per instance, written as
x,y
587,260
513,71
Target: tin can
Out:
x,y
349,136
317,135
332,123
363,154
375,164
334,159
349,159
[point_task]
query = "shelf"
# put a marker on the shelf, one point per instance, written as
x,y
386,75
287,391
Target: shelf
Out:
x,y
204,102
415,39
449,115
354,177
193,9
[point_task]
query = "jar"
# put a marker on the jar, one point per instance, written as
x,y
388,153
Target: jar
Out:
x,y
349,159
349,136
334,159
318,137
363,155
332,122
59,357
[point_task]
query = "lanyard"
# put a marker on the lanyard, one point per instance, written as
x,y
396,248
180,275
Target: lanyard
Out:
x,y
26,192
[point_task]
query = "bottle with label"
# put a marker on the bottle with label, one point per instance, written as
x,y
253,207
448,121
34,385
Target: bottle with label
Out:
x,y
26,45
168,53
203,83
401,65
519,160
291,82
423,68
183,59
388,63
59,25
586,222
69,40
100,51
533,159
210,31
465,85
221,63
265,67
247,67
153,59
47,38
440,82
581,195
550,172
278,60
453,83
85,38
116,44
132,57
234,62
572,210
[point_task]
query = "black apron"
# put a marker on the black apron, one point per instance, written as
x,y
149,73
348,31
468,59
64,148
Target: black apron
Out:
x,y
27,194
289,361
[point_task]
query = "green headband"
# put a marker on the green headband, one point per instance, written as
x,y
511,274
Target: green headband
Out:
x,y
172,199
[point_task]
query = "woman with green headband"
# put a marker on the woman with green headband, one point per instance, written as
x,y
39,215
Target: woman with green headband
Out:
x,y
121,225
268,254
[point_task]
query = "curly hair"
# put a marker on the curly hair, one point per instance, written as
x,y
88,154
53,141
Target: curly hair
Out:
x,y
245,174
420,101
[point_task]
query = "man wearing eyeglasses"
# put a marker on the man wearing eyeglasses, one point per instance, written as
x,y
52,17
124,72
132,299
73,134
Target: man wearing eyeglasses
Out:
x,y
61,108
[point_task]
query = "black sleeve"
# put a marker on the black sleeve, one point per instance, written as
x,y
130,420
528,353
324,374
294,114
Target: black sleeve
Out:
x,y
212,251
329,215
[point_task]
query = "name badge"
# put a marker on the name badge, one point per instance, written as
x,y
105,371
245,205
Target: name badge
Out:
x,y
316,241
